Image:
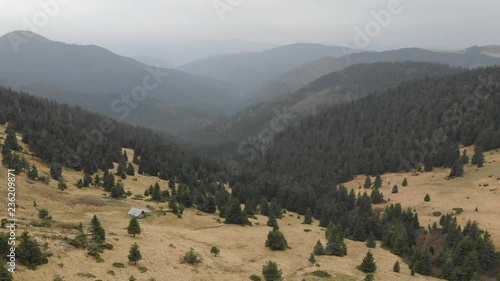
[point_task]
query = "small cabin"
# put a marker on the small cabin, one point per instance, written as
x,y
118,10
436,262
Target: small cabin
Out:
x,y
139,212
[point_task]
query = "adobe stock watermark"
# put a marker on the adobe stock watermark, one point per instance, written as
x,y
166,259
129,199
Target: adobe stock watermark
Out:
x,y
122,106
47,9
364,35
256,146
222,7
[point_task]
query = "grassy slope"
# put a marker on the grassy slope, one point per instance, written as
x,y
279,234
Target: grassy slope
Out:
x,y
165,237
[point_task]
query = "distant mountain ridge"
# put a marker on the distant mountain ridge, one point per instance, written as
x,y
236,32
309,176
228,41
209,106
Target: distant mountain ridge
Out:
x,y
248,70
301,75
94,77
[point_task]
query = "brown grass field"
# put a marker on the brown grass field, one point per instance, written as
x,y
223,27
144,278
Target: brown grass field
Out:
x,y
166,238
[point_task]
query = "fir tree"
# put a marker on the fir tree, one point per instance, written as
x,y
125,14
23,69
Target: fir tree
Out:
x,y
134,227
368,265
276,240
250,207
125,156
377,197
395,189
427,198
271,272
264,207
368,182
11,140
130,170
378,182
457,170
464,158
28,252
312,258
319,249
5,274
55,170
234,214
478,157
272,221
87,180
134,254
308,217
97,231
336,246
405,182
396,268
370,242
118,191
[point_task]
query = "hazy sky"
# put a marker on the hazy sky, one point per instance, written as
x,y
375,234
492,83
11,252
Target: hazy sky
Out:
x,y
135,26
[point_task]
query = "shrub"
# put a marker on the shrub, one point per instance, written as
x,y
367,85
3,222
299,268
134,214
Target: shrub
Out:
x,y
321,274
396,268
255,277
215,251
191,257
118,265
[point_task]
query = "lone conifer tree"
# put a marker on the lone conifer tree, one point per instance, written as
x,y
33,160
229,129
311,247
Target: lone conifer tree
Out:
x,y
130,169
319,249
405,182
427,198
276,241
336,245
271,272
396,267
134,254
97,231
368,265
308,217
478,157
5,275
28,252
134,227
395,189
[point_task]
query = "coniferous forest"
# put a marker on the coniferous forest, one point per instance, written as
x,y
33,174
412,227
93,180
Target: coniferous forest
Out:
x,y
301,172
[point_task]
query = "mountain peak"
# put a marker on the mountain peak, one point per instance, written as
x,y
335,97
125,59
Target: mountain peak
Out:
x,y
25,34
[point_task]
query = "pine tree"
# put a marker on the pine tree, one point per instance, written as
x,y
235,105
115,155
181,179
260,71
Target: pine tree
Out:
x,y
97,231
87,180
118,191
457,170
97,181
370,242
427,198
478,157
130,170
272,221
368,182
120,171
125,156
11,140
428,163
396,268
464,158
336,245
395,189
28,252
234,214
405,182
312,258
264,207
134,254
134,227
368,265
308,216
378,182
276,240
250,207
319,249
271,272
55,170
377,197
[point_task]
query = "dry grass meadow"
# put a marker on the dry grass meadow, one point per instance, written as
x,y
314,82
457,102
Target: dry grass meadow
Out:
x,y
166,238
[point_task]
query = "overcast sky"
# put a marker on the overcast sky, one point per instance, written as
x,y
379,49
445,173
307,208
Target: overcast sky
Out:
x,y
135,26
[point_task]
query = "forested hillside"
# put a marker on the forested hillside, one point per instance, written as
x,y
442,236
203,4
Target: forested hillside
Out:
x,y
420,121
87,141
337,87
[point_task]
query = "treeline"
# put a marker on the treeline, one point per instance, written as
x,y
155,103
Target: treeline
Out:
x,y
81,140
